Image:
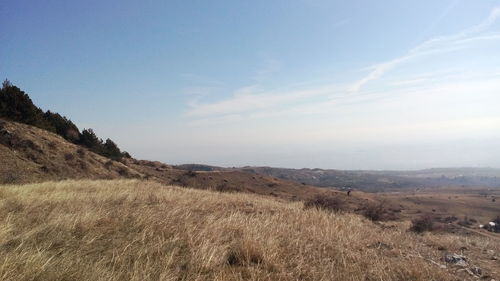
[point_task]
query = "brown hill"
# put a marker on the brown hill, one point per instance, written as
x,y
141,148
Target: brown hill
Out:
x,y
226,180
30,154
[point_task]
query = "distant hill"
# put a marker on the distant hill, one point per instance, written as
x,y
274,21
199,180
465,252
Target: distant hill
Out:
x,y
375,181
50,146
30,154
445,172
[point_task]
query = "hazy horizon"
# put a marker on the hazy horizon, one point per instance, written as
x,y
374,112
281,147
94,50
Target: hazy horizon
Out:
x,y
365,85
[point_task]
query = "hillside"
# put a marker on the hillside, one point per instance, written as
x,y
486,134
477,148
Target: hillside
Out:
x,y
30,154
137,230
17,106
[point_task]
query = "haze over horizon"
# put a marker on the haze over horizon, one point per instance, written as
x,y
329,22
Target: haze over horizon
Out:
x,y
303,83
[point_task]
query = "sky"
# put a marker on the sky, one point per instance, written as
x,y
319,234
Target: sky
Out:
x,y
356,84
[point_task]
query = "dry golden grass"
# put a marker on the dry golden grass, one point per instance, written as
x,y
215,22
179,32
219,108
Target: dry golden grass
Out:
x,y
137,230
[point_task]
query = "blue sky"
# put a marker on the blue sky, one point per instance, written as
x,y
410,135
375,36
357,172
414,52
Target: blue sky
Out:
x,y
306,83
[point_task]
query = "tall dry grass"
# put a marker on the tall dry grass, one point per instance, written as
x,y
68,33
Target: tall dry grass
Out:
x,y
133,230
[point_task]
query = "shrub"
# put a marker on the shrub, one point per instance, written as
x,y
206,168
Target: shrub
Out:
x,y
123,171
81,152
422,224
108,164
224,187
83,165
10,178
374,212
30,144
69,156
52,145
325,202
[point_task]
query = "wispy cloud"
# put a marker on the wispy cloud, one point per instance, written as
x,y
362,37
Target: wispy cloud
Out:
x,y
249,99
253,102
433,46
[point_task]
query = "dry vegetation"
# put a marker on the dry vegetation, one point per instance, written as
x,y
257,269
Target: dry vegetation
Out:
x,y
478,205
137,230
30,154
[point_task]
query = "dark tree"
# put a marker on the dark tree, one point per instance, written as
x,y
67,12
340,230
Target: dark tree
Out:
x,y
111,150
90,140
63,126
17,106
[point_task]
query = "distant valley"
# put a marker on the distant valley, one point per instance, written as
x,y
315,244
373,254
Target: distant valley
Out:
x,y
375,181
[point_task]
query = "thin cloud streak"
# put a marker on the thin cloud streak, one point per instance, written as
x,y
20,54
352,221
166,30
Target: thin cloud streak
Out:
x,y
431,46
248,100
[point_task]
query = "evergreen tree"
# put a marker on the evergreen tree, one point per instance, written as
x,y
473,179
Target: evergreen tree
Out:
x,y
111,150
63,126
17,106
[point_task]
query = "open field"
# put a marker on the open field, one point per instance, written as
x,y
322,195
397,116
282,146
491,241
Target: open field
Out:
x,y
477,205
140,230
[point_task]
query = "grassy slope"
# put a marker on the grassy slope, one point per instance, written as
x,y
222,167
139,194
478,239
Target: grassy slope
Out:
x,y
137,230
30,154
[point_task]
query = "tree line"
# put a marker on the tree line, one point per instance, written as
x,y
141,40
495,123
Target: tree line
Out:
x,y
17,106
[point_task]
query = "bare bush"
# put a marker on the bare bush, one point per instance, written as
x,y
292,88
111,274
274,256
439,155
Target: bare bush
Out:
x,y
83,165
123,171
224,187
52,145
422,224
10,178
108,164
374,212
325,202
81,152
69,156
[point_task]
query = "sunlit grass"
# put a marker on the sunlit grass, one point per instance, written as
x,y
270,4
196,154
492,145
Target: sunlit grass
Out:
x,y
136,230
